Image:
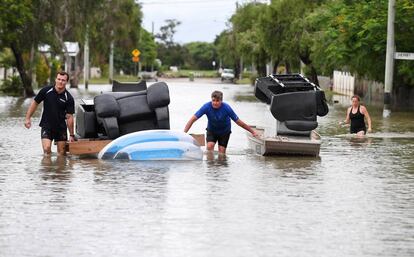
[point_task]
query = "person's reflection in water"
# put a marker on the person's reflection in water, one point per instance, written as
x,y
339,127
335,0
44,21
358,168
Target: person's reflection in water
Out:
x,y
56,167
221,159
360,141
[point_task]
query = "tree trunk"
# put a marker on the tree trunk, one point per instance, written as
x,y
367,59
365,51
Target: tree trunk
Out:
x,y
314,74
74,78
287,67
261,64
26,80
31,71
275,65
237,68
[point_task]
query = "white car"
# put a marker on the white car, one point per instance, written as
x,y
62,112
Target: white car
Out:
x,y
227,74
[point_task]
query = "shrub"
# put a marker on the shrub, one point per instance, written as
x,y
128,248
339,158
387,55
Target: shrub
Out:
x,y
42,72
12,86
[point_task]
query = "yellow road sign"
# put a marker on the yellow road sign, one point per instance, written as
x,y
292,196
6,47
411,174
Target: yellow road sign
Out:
x,y
136,53
135,59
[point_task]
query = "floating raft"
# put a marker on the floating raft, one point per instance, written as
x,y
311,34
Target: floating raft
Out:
x,y
153,145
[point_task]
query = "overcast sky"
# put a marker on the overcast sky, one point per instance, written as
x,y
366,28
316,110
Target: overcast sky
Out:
x,y
201,20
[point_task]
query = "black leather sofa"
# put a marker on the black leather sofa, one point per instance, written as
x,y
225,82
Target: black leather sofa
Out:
x,y
113,114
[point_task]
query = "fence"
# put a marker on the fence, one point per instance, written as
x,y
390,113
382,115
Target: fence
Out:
x,y
343,83
346,84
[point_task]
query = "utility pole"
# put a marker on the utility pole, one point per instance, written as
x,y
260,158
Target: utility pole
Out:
x,y
389,61
152,32
241,68
111,58
86,59
152,28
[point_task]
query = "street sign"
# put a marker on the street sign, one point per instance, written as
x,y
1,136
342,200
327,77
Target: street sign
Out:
x,y
136,53
135,59
404,56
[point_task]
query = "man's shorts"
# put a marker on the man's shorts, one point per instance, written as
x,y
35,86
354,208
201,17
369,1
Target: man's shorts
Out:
x,y
222,139
54,134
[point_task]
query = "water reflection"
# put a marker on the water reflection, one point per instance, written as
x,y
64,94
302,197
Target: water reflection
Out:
x,y
290,163
57,168
14,106
215,159
356,141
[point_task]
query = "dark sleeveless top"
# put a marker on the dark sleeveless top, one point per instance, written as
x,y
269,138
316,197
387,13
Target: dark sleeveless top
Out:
x,y
357,121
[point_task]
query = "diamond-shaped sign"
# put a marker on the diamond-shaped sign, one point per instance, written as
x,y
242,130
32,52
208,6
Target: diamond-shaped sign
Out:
x,y
136,53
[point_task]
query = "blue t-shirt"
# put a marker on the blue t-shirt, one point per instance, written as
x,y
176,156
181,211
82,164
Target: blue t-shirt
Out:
x,y
218,119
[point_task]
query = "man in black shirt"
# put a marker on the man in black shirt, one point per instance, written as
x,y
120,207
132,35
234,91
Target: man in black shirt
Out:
x,y
57,116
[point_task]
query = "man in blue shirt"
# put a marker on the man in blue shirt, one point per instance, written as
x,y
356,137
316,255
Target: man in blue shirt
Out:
x,y
57,115
219,124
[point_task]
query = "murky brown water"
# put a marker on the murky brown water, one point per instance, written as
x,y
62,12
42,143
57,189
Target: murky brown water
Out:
x,y
355,200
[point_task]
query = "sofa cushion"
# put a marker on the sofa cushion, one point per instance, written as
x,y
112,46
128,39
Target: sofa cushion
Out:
x,y
301,125
294,106
133,107
158,95
106,106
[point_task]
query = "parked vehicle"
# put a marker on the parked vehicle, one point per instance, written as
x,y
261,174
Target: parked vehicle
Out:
x,y
227,75
148,75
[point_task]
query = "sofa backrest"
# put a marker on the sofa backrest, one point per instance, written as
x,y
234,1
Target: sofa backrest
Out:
x,y
128,86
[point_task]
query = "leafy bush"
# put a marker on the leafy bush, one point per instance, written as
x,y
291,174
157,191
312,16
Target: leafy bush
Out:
x,y
12,86
253,78
54,68
42,72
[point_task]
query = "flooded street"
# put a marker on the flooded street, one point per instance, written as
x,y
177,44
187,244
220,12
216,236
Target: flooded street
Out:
x,y
356,199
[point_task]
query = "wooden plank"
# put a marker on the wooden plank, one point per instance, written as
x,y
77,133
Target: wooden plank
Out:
x,y
86,146
200,138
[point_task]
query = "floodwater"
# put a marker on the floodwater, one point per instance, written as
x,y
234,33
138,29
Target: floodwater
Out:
x,y
356,199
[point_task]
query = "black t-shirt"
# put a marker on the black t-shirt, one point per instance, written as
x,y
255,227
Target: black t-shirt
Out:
x,y
55,107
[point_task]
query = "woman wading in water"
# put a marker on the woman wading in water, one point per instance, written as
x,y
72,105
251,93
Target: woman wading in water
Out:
x,y
356,114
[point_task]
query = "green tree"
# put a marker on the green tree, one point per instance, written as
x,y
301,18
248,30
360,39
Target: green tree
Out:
x,y
170,53
16,17
286,36
166,35
200,55
352,35
148,49
226,49
248,44
7,60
